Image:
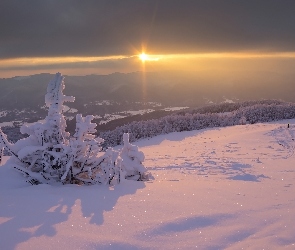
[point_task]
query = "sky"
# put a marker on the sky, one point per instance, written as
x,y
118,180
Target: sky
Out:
x,y
105,36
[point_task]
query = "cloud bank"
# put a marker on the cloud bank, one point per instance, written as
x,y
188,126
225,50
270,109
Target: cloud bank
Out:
x,y
100,28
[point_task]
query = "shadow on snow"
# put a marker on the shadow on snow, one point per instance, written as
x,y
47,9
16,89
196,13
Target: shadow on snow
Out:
x,y
34,211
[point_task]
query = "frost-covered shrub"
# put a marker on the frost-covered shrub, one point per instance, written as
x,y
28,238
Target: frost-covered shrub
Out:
x,y
132,159
49,154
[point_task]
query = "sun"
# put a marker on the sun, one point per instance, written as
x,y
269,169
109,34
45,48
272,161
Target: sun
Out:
x,y
144,57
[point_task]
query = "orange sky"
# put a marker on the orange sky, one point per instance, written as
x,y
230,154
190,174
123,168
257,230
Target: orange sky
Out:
x,y
132,63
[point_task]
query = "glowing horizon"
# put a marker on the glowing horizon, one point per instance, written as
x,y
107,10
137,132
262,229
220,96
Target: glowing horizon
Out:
x,y
56,60
143,57
125,63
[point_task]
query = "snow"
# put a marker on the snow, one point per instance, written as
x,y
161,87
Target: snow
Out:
x,y
44,107
69,110
218,188
175,108
28,123
139,112
104,102
3,113
110,117
97,117
131,160
6,124
153,104
69,118
227,100
101,103
50,155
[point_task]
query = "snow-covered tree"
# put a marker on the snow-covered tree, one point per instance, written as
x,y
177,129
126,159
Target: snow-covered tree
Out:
x,y
49,154
131,161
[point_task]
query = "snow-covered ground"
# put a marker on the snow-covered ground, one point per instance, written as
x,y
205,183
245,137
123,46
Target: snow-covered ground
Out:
x,y
6,124
175,108
139,112
69,110
110,117
220,188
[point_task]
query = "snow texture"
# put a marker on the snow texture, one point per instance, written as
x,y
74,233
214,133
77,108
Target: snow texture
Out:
x,y
214,188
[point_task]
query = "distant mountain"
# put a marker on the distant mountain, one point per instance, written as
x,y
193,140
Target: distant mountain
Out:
x,y
109,97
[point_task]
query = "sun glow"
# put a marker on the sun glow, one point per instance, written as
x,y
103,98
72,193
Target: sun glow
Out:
x,y
144,57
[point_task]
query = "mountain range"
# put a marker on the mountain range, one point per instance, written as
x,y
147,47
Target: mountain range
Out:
x,y
134,96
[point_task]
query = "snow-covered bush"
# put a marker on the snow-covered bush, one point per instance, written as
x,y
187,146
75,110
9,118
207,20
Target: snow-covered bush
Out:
x,y
131,161
49,154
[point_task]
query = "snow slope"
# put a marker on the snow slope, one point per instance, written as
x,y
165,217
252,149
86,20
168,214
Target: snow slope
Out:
x,y
221,188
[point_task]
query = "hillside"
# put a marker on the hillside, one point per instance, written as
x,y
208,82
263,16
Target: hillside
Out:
x,y
118,95
215,188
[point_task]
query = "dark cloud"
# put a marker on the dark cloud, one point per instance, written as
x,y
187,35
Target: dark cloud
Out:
x,y
112,27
